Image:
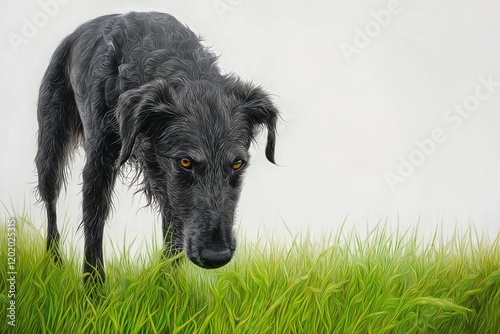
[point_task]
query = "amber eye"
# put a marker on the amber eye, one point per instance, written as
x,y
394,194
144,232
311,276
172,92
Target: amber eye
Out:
x,y
186,163
238,164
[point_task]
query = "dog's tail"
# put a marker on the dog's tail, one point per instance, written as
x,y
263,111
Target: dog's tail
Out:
x,y
59,124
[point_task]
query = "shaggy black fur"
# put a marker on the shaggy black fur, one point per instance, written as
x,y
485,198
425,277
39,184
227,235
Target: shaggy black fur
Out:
x,y
140,88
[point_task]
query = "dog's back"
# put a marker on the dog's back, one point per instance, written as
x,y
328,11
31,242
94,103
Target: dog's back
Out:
x,y
133,49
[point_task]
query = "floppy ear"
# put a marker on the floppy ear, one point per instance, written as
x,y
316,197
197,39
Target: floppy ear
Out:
x,y
138,111
260,111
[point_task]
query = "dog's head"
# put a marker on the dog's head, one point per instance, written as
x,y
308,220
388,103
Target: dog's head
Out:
x,y
191,141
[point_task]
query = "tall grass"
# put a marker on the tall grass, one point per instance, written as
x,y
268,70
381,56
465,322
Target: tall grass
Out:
x,y
382,283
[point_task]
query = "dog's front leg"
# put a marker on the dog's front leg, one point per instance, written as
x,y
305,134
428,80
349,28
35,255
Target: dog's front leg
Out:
x,y
99,176
170,233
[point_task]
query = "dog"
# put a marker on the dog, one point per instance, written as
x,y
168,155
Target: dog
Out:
x,y
142,89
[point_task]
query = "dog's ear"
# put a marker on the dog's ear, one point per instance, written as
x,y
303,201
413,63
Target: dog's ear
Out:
x,y
260,111
141,110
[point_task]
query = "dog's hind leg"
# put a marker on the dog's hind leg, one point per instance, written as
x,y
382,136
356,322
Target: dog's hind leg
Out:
x,y
99,176
59,128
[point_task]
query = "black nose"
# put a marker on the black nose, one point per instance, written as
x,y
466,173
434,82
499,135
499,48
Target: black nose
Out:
x,y
212,259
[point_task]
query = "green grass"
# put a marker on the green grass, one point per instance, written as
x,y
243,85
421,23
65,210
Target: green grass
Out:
x,y
382,283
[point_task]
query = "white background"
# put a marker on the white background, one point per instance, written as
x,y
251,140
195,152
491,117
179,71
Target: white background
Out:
x,y
348,120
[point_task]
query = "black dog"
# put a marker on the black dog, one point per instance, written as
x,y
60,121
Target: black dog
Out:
x,y
141,88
